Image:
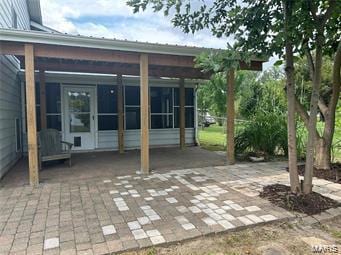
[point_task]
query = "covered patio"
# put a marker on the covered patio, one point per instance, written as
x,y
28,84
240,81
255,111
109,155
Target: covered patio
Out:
x,y
91,165
44,52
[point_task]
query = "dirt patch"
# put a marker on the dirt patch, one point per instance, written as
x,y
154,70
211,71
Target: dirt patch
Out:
x,y
329,175
257,240
313,203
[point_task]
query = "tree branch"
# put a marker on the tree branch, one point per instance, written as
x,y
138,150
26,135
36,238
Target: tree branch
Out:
x,y
310,62
336,80
323,107
301,112
304,115
321,20
331,8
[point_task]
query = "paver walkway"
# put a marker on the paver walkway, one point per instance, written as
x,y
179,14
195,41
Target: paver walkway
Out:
x,y
97,216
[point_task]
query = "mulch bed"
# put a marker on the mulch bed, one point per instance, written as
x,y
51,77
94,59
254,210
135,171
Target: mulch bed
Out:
x,y
329,175
310,204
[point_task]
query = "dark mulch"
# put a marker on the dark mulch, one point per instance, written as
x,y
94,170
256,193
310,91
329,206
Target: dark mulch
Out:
x,y
329,175
310,204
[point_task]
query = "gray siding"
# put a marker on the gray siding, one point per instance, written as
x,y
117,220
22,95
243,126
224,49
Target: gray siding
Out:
x,y
10,93
157,138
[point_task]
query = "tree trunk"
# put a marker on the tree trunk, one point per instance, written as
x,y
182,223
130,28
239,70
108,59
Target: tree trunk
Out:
x,y
322,154
290,86
309,164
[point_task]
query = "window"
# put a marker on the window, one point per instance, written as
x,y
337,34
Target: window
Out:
x,y
189,108
107,107
53,106
14,18
17,134
132,107
161,100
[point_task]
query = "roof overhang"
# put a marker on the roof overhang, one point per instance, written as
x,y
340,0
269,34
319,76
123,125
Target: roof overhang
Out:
x,y
60,52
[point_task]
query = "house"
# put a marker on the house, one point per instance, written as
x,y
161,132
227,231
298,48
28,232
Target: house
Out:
x,y
101,94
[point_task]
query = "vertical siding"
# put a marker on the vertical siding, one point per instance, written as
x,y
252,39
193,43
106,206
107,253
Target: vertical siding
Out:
x,y
10,94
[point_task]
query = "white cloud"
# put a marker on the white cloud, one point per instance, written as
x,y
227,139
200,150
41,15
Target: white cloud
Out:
x,y
79,17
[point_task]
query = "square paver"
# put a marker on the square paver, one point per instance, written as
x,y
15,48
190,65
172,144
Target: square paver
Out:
x,y
268,217
153,232
108,230
51,243
134,225
139,234
209,221
157,240
252,208
171,200
143,220
188,226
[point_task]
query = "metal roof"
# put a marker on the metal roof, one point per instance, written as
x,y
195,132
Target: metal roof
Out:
x,y
34,10
26,36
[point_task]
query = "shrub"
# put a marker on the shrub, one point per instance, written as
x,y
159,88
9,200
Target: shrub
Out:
x,y
265,133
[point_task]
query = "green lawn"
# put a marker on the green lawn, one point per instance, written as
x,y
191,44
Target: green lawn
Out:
x,y
213,138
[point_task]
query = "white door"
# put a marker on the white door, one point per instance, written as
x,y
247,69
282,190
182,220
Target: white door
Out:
x,y
79,117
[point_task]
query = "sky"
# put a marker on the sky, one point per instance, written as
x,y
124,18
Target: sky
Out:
x,y
114,19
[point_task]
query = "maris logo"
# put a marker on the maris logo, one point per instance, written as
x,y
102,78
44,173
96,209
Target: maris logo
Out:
x,y
321,249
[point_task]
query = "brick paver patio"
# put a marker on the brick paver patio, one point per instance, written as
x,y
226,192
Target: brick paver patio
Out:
x,y
100,215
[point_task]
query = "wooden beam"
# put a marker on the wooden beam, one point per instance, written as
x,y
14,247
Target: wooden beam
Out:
x,y
11,48
103,55
31,116
182,119
120,112
42,87
230,118
144,101
125,69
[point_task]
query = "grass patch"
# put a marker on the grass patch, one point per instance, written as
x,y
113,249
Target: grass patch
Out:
x,y
213,138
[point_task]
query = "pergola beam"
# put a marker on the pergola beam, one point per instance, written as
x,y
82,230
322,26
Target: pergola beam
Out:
x,y
120,112
144,102
31,116
124,69
182,118
230,118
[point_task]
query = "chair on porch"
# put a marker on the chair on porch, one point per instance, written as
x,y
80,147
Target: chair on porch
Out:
x,y
51,147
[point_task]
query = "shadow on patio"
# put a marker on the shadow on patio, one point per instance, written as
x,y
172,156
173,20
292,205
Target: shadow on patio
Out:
x,y
108,164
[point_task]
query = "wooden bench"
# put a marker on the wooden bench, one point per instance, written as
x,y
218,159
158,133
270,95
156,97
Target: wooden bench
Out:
x,y
51,147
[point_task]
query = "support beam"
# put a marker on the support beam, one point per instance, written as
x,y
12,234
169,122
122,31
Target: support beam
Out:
x,y
120,112
31,116
230,118
144,102
42,85
182,119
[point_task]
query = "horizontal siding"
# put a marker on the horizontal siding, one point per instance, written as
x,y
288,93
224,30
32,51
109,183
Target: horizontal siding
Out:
x,y
157,137
10,93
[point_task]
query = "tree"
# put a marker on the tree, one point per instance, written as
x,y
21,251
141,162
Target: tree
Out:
x,y
212,95
330,92
258,28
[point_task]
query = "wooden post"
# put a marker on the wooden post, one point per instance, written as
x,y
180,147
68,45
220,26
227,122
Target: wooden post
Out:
x,y
120,113
144,100
42,85
31,116
182,119
230,118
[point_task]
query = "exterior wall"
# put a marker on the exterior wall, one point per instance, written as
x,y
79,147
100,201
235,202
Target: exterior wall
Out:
x,y
10,93
108,140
